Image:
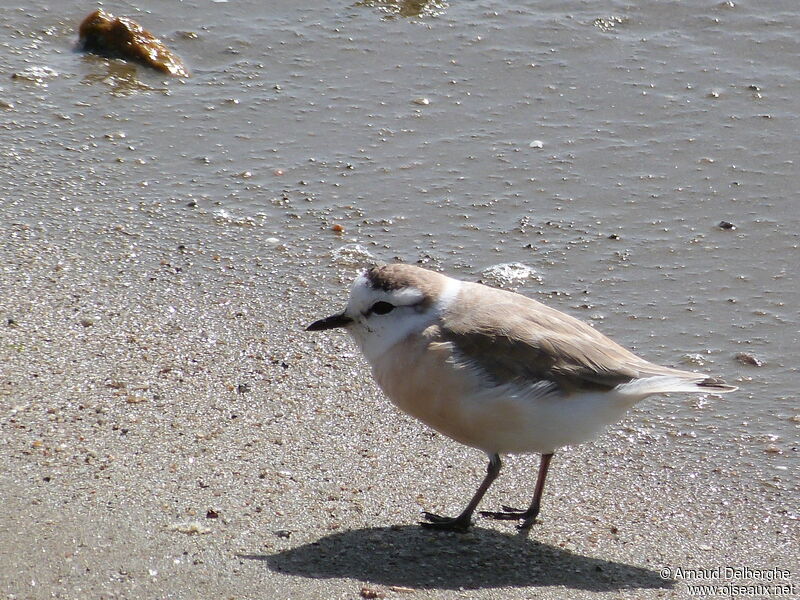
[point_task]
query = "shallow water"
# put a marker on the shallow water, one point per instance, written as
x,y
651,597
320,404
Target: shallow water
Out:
x,y
599,147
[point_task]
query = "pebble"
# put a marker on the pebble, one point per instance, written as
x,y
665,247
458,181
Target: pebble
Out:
x,y
749,359
36,74
190,528
694,359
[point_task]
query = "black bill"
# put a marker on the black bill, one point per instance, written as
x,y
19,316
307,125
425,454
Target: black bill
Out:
x,y
332,322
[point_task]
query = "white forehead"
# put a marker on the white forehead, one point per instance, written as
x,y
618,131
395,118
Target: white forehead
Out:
x,y
363,295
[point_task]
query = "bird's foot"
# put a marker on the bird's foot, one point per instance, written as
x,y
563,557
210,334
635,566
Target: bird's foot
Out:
x,y
512,514
433,521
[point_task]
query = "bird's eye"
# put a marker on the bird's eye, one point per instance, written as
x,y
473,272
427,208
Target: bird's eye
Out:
x,y
381,308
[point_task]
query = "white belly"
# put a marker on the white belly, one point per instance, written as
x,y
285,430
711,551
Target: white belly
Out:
x,y
510,418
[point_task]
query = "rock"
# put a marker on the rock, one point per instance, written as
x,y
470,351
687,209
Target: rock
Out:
x,y
37,74
749,359
121,37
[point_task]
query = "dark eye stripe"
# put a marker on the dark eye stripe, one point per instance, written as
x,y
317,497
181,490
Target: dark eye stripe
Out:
x,y
381,308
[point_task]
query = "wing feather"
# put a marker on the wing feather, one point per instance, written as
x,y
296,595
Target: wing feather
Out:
x,y
513,338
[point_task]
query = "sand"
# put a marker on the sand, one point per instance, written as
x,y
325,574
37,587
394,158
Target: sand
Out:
x,y
170,431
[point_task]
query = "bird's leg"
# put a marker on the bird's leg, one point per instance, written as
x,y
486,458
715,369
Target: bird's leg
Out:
x,y
463,521
526,516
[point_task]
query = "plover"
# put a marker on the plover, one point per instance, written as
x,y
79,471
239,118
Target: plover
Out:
x,y
495,370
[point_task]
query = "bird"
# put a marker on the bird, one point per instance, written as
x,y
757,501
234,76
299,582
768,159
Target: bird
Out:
x,y
495,370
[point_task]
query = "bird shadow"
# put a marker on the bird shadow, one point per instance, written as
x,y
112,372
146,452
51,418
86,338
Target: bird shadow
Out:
x,y
414,557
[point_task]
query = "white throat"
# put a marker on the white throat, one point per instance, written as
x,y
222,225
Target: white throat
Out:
x,y
376,335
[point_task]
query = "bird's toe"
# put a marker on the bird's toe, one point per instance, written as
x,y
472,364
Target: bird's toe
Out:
x,y
434,521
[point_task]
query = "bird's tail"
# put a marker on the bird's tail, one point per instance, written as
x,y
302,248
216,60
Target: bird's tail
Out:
x,y
682,381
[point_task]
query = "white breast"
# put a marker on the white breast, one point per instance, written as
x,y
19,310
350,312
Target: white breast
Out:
x,y
376,335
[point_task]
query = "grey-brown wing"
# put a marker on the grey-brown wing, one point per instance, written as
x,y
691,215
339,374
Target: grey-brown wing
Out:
x,y
518,339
